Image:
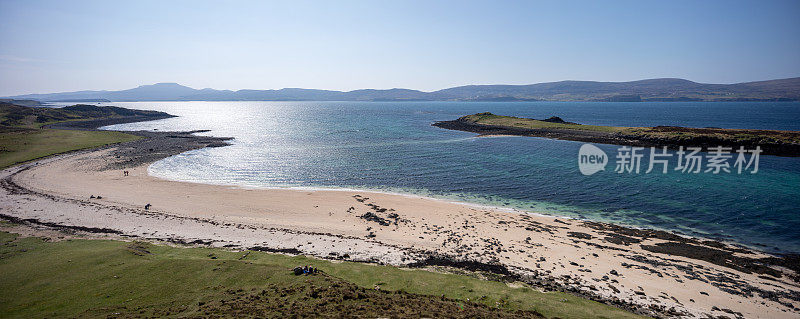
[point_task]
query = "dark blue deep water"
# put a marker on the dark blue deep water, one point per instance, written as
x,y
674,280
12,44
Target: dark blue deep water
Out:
x,y
391,146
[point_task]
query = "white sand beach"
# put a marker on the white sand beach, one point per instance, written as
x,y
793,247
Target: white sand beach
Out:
x,y
555,253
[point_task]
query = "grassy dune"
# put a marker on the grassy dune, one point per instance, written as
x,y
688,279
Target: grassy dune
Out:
x,y
97,278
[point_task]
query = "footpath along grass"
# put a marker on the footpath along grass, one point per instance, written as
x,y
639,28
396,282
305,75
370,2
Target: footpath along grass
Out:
x,y
98,278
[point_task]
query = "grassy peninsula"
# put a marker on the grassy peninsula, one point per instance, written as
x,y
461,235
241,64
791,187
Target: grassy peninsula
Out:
x,y
772,142
27,133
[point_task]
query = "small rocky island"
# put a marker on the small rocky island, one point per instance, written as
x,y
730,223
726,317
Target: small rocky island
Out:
x,y
772,142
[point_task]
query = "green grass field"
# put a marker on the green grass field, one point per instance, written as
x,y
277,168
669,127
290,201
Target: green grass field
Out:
x,y
98,278
29,144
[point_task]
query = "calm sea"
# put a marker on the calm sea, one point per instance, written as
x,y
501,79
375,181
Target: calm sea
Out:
x,y
391,146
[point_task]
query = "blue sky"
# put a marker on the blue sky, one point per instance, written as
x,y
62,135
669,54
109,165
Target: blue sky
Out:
x,y
53,46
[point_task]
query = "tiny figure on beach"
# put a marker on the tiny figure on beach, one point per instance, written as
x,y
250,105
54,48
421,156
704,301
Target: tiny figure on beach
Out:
x,y
124,173
147,207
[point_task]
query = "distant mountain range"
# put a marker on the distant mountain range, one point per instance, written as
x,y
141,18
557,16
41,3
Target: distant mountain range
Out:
x,y
634,91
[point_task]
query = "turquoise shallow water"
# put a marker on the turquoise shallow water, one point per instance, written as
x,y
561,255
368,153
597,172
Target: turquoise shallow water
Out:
x,y
391,146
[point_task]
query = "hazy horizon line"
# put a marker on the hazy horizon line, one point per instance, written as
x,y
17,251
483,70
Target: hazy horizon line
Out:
x,y
384,89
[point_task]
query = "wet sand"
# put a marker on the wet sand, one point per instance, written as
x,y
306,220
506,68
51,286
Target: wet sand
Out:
x,y
650,272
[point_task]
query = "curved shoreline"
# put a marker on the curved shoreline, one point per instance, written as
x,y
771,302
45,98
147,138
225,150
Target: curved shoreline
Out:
x,y
684,232
600,261
552,215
